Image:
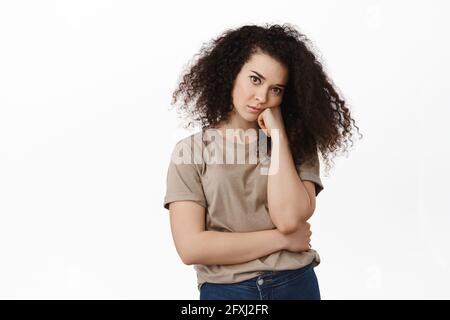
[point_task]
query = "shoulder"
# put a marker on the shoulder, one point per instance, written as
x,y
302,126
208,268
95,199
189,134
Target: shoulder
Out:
x,y
192,140
188,150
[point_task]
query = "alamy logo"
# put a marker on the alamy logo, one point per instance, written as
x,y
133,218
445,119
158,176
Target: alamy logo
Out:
x,y
213,152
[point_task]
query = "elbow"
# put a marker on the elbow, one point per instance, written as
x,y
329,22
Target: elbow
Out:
x,y
187,258
293,224
191,251
193,248
186,253
287,228
187,261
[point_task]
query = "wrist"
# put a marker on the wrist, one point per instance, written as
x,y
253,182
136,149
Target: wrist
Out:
x,y
281,134
281,240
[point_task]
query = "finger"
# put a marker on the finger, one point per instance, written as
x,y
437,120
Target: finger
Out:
x,y
261,122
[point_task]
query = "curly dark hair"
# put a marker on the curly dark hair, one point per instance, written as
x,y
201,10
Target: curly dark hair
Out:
x,y
314,114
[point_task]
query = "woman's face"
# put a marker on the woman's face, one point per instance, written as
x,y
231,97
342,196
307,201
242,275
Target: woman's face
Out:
x,y
259,84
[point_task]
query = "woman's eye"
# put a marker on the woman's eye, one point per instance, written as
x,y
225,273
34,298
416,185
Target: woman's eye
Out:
x,y
278,91
253,77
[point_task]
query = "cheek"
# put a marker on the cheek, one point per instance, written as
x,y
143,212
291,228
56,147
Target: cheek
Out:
x,y
278,99
242,91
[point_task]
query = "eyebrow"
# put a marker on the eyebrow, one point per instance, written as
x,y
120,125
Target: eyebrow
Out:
x,y
280,85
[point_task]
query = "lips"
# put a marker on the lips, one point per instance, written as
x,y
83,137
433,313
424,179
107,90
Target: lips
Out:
x,y
253,109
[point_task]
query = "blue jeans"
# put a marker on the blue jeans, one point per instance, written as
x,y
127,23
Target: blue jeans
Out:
x,y
298,284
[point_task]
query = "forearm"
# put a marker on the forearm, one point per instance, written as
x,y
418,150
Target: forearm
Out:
x,y
214,247
287,197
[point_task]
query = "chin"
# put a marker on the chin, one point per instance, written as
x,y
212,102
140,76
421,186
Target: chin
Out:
x,y
243,114
251,118
248,116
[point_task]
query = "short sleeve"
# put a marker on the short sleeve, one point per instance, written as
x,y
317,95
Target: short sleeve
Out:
x,y
183,183
311,172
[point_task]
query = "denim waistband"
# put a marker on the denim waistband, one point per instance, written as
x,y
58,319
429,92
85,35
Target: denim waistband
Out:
x,y
275,278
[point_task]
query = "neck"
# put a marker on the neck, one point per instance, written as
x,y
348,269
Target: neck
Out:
x,y
237,122
238,133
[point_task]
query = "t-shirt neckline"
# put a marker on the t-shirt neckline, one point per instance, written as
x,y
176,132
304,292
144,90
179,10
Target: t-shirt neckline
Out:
x,y
233,142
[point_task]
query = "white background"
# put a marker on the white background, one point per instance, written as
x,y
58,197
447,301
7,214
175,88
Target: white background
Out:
x,y
86,132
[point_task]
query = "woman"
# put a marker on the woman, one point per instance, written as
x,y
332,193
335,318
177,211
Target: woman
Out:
x,y
244,229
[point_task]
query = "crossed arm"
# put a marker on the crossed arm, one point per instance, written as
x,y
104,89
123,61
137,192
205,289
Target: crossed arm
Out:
x,y
196,245
291,203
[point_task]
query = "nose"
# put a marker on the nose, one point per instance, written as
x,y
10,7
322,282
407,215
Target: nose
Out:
x,y
260,96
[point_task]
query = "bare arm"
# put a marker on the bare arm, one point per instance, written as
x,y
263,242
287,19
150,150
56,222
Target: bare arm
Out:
x,y
195,245
291,201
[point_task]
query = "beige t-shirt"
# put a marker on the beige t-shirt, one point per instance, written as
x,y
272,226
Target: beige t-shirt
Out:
x,y
234,197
